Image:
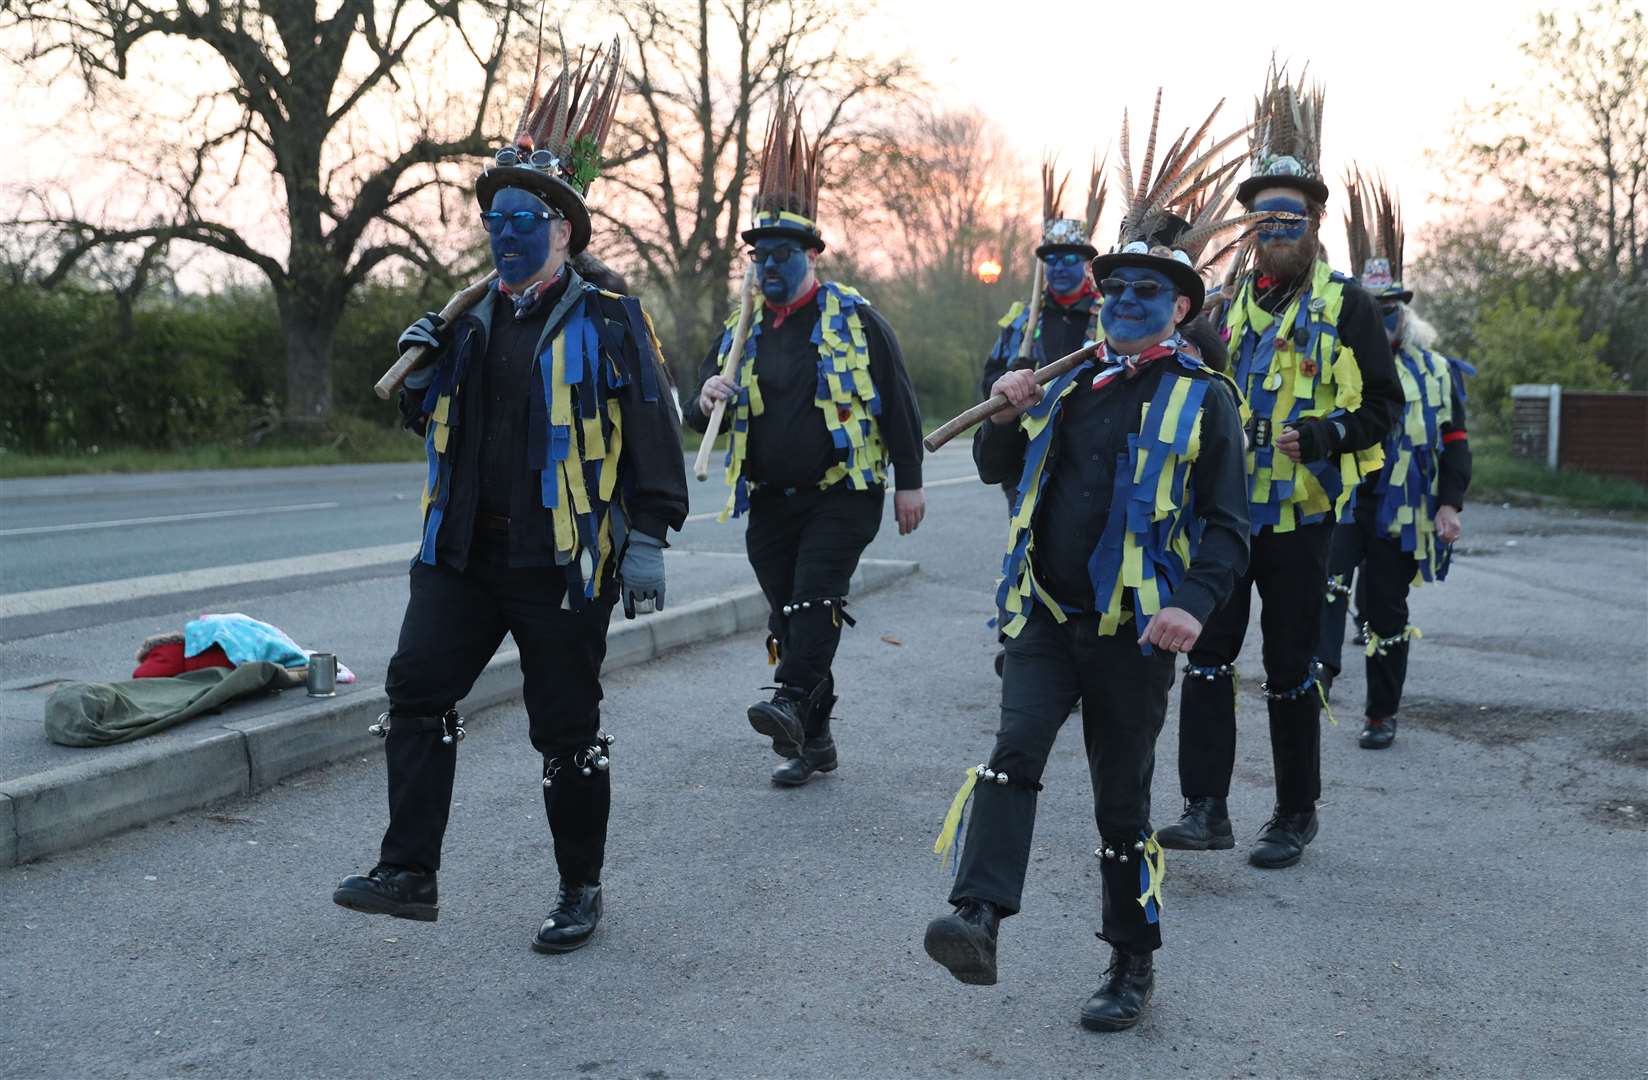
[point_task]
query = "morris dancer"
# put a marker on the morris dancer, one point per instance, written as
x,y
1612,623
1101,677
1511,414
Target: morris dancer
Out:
x,y
818,405
1130,530
554,473
1406,518
1319,394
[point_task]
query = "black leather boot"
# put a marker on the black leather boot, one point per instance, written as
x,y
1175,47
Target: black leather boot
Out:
x,y
1282,842
783,719
964,941
1377,734
405,894
572,923
1119,1002
1204,826
818,749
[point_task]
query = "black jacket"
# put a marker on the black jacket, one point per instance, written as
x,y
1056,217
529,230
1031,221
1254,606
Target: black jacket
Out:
x,y
652,482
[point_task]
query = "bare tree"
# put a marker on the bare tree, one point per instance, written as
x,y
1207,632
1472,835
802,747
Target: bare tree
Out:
x,y
952,192
1574,158
690,133
321,97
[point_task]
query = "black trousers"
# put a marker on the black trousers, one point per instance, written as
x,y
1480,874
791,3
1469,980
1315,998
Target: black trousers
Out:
x,y
1123,694
1383,574
804,548
454,624
1290,571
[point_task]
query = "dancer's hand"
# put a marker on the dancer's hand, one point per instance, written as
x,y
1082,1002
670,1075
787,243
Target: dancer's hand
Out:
x,y
1448,526
1173,629
716,388
909,507
1021,391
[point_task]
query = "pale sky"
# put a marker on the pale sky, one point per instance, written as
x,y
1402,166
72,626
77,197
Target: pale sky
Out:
x,y
1056,75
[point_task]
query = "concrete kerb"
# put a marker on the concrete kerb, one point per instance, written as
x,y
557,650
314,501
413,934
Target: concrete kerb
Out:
x,y
66,807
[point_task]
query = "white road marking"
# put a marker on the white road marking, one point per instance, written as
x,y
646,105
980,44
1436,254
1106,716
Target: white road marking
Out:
x,y
41,601
205,515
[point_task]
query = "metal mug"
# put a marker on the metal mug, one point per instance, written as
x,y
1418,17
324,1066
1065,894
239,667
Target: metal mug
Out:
x,y
322,679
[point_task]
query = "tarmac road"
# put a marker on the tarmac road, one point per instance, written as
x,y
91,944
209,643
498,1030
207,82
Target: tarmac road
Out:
x,y
1473,906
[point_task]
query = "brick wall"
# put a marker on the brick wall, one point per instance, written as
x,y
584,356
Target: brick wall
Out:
x,y
1601,432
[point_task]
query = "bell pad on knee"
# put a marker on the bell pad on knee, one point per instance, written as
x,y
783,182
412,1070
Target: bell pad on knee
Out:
x,y
585,761
835,605
1142,849
449,725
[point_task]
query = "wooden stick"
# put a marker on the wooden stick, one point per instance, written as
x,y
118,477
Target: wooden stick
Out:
x,y
701,466
1038,286
986,409
414,358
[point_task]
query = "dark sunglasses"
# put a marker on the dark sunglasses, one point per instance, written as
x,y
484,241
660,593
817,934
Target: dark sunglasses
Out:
x,y
780,253
1113,287
523,219
1390,309
1066,258
538,159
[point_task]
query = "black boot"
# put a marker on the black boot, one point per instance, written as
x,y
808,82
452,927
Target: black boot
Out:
x,y
818,749
1282,842
1204,826
405,894
783,719
964,941
1377,734
1128,983
572,923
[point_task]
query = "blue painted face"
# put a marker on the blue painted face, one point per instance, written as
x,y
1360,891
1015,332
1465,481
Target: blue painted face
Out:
x,y
1129,317
520,248
780,268
1391,316
1065,272
1290,204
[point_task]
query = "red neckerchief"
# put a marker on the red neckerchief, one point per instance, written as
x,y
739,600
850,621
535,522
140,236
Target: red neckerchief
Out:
x,y
784,311
1128,367
527,298
1267,282
1076,297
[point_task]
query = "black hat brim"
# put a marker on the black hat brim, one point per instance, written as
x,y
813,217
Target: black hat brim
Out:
x,y
556,193
1086,251
1187,281
784,232
1248,189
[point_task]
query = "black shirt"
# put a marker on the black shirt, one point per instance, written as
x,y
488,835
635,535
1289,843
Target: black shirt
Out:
x,y
789,444
1089,446
1063,331
504,382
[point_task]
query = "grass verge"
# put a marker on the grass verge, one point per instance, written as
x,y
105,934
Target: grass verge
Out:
x,y
1495,474
347,442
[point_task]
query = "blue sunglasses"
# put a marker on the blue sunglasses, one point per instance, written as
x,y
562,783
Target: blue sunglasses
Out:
x,y
1067,258
523,219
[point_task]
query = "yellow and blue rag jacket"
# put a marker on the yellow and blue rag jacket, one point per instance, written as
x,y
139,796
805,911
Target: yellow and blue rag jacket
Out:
x,y
1152,532
846,396
1407,487
575,428
1292,366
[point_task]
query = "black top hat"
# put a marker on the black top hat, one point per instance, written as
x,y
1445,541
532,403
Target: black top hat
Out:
x,y
556,153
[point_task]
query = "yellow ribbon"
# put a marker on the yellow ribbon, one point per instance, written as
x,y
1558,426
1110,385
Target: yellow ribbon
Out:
x,y
952,820
1155,859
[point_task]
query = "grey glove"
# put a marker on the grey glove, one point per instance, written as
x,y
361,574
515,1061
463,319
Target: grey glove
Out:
x,y
426,331
641,574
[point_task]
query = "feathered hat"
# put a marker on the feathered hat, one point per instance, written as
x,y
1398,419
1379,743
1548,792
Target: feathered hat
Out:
x,y
1285,142
1373,225
1060,234
1172,215
556,151
786,197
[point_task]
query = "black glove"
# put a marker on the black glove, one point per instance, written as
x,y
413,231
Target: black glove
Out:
x,y
426,331
1318,438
